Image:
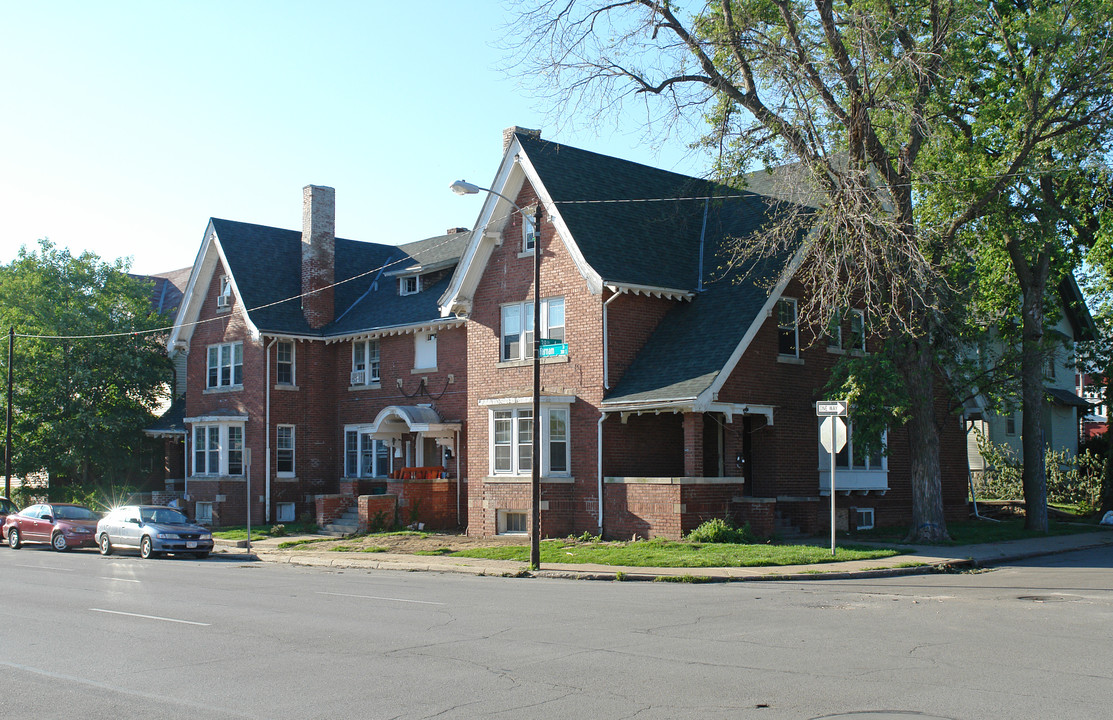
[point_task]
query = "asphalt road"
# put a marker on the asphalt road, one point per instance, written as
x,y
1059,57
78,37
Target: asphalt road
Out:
x,y
90,637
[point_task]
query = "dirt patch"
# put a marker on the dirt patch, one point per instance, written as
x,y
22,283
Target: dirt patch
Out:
x,y
410,544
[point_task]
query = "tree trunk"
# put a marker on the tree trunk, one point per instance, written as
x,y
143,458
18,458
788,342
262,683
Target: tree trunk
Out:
x,y
929,523
1034,478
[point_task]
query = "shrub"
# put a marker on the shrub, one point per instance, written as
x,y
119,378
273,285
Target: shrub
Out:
x,y
278,530
718,530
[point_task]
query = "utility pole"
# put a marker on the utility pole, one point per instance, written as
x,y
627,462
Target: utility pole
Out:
x,y
8,442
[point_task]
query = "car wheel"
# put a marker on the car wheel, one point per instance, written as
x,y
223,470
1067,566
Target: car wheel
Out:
x,y
201,555
146,549
59,542
105,544
13,539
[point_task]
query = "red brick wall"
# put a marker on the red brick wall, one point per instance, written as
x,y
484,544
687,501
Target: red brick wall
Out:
x,y
509,278
379,510
432,502
644,446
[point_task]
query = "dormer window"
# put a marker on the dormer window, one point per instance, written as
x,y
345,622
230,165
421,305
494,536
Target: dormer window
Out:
x,y
224,298
409,285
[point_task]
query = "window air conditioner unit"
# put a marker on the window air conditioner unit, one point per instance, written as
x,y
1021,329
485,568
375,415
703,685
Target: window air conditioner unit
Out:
x,y
223,301
359,377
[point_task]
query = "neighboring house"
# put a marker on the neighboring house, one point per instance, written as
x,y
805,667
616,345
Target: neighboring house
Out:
x,y
162,460
319,370
682,397
1063,409
1092,389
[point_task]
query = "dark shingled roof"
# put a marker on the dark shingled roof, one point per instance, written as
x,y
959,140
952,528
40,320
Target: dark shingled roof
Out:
x,y
657,244
266,264
167,290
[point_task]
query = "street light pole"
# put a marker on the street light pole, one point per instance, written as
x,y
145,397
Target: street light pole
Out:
x,y
461,187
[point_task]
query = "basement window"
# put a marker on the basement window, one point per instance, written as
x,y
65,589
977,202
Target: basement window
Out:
x,y
863,518
512,522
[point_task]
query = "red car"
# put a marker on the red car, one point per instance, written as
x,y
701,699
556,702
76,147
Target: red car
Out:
x,y
61,525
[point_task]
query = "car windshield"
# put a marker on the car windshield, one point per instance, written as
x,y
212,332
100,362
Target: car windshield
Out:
x,y
73,512
164,516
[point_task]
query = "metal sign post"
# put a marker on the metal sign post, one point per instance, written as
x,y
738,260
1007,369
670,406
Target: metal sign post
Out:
x,y
832,435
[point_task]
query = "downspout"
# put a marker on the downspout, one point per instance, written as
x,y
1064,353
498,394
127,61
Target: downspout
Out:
x,y
457,478
606,343
599,466
267,429
185,465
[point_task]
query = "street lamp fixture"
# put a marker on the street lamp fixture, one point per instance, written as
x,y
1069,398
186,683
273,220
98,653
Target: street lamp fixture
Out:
x,y
462,187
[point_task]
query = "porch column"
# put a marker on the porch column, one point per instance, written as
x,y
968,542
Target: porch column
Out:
x,y
693,444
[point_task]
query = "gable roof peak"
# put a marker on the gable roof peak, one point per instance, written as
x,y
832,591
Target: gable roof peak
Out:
x,y
509,133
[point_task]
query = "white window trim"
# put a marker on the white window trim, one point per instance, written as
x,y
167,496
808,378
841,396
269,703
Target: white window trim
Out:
x,y
528,234
850,477
425,338
292,363
293,451
501,520
371,370
795,327
203,513
834,342
525,318
224,449
546,409
858,316
224,296
285,512
404,280
232,384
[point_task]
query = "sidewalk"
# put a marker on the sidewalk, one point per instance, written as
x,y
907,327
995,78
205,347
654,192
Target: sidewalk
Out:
x,y
919,560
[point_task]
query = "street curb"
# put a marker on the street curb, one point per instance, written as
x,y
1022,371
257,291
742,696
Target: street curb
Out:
x,y
677,575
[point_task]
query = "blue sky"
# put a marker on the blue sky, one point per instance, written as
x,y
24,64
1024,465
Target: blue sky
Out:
x,y
126,125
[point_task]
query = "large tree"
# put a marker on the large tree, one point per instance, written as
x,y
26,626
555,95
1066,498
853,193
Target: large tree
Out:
x,y
87,371
862,97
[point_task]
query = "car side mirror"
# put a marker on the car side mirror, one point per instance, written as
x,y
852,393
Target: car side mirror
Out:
x,y
47,518
133,521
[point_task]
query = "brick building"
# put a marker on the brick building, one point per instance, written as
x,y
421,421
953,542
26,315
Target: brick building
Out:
x,y
318,369
326,375
682,396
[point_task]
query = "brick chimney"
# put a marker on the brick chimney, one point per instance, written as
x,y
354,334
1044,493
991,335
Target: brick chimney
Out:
x,y
318,254
508,135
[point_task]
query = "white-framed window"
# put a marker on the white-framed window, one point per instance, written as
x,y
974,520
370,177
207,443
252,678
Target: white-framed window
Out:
x,y
225,365
409,285
516,337
425,350
858,330
834,333
512,441
854,468
284,512
224,297
529,233
284,362
788,333
203,513
513,522
863,518
364,455
218,450
284,450
365,362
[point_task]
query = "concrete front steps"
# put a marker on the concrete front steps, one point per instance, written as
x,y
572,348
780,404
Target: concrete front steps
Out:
x,y
346,524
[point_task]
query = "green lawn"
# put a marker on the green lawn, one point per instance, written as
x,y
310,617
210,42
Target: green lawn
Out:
x,y
663,553
261,532
973,532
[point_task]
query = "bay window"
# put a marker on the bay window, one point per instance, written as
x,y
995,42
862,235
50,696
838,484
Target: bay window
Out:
x,y
218,450
512,441
364,455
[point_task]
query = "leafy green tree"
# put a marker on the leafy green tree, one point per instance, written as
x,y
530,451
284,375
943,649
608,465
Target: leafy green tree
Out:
x,y
87,370
874,103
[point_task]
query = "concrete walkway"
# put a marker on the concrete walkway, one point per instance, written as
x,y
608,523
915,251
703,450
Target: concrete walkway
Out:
x,y
919,560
